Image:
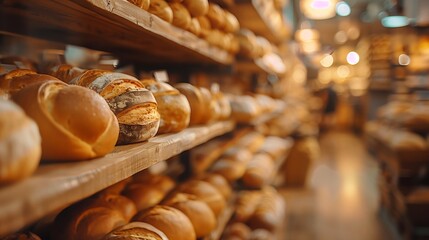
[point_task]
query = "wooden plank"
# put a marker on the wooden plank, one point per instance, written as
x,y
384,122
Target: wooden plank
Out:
x,y
261,17
109,25
54,186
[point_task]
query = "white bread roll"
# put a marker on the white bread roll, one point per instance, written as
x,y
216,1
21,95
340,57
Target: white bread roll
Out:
x,y
77,129
20,144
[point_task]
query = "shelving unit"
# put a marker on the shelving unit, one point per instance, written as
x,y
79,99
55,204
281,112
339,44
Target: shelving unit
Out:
x,y
107,25
56,185
265,20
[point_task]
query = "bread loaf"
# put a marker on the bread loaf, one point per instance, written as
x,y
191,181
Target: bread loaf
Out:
x,y
231,23
116,202
219,182
181,16
243,108
270,211
216,15
134,106
194,27
239,230
20,143
232,164
205,192
199,213
149,192
246,205
259,171
197,7
172,222
173,106
252,141
196,102
212,109
143,4
205,25
161,9
71,130
65,72
21,78
223,103
136,231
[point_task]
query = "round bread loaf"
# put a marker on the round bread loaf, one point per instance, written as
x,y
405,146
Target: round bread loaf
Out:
x,y
143,4
224,106
172,106
71,130
219,182
18,79
20,143
212,108
205,192
136,231
181,16
172,222
196,102
198,212
134,106
197,7
117,202
161,9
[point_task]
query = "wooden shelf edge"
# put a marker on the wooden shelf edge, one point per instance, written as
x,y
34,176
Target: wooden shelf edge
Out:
x,y
54,186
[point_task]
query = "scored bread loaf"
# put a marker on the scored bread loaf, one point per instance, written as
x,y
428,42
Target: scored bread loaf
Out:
x,y
20,143
172,106
205,192
18,79
199,213
161,9
181,16
136,231
172,222
134,106
143,4
80,129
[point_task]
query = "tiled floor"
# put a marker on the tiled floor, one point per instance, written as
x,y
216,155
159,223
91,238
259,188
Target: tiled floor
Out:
x,y
341,200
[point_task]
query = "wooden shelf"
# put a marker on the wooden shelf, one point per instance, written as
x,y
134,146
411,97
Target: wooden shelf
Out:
x,y
54,186
262,18
114,26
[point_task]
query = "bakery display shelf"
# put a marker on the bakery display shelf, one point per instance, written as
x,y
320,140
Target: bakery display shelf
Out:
x,y
56,185
114,26
223,220
266,21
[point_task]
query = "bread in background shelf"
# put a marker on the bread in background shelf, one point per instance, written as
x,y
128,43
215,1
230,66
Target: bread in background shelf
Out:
x,y
219,182
252,141
198,212
197,8
216,15
181,16
231,23
20,143
237,230
196,102
172,222
161,9
205,25
173,106
244,108
232,165
71,130
259,171
18,79
205,192
194,27
246,205
65,72
143,4
270,211
135,231
134,106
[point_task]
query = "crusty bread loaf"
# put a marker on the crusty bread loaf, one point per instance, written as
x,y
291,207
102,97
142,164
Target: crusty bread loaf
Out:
x,y
198,212
259,171
21,78
194,27
20,143
172,222
149,191
216,15
71,130
116,202
205,192
246,205
197,7
161,9
172,106
231,23
212,109
244,108
136,231
232,165
65,72
134,106
252,141
224,106
181,16
196,102
143,4
219,182
205,25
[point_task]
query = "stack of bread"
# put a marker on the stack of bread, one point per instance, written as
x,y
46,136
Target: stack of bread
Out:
x,y
70,130
206,106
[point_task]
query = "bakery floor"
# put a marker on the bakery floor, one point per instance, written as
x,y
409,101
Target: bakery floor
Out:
x,y
341,199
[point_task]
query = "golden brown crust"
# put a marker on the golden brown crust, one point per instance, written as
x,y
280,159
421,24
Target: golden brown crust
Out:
x,y
71,130
219,182
181,15
143,4
21,78
161,9
195,100
216,16
194,27
136,231
259,171
175,224
197,7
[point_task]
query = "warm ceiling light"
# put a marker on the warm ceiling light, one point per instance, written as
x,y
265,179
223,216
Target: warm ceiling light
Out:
x,y
404,60
352,58
343,9
306,35
395,21
327,61
318,9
